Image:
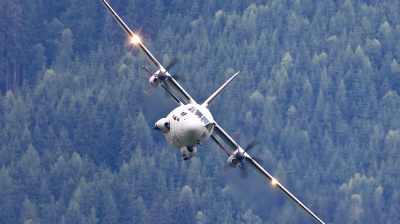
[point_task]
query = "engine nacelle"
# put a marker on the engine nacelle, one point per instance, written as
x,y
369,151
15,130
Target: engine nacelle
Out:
x,y
155,81
188,152
162,125
233,161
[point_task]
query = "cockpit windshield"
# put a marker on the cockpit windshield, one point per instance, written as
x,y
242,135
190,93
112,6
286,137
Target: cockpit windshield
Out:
x,y
198,114
192,110
205,120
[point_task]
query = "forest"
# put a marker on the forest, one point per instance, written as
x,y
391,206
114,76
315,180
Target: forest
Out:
x,y
319,88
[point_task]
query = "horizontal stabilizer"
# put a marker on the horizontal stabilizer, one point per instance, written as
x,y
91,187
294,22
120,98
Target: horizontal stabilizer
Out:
x,y
219,91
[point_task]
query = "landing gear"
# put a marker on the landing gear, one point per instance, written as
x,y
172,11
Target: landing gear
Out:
x,y
185,157
199,142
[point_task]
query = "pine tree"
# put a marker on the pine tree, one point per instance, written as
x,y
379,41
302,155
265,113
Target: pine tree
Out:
x,y
73,213
110,212
156,212
38,61
65,50
30,171
8,198
184,210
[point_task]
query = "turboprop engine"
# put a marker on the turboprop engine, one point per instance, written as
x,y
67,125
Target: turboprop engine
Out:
x,y
156,79
232,161
162,125
159,76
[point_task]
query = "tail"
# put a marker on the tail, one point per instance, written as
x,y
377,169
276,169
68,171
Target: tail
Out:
x,y
219,91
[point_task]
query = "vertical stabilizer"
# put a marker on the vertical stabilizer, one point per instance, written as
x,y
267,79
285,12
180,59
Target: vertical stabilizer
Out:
x,y
219,91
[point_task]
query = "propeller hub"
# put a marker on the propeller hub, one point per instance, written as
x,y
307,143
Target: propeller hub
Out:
x,y
236,159
155,81
240,156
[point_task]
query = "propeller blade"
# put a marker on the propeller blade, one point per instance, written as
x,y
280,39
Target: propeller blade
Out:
x,y
176,77
149,91
167,96
244,174
157,56
221,150
258,160
172,63
240,156
226,169
179,78
252,143
235,137
144,72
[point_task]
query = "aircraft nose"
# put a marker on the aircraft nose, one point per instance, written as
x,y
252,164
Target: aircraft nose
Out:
x,y
191,132
192,129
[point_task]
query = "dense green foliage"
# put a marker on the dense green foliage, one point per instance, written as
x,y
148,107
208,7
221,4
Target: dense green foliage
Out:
x,y
319,87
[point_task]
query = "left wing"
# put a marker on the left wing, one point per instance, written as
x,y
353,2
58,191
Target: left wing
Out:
x,y
150,58
232,144
274,182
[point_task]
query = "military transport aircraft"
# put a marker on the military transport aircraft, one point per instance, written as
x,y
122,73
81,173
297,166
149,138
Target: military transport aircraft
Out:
x,y
191,124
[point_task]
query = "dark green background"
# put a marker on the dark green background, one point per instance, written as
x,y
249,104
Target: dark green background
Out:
x,y
318,87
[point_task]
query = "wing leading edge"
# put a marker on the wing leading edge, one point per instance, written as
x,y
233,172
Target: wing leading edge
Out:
x,y
274,182
150,58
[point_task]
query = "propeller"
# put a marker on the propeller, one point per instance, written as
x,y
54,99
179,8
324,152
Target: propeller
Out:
x,y
179,78
143,71
159,77
221,150
172,63
237,158
226,169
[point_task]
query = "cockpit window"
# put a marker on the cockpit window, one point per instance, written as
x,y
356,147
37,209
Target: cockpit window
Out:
x,y
199,114
205,120
209,126
192,110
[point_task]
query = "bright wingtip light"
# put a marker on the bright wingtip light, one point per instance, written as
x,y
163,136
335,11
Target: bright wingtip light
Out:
x,y
274,182
135,39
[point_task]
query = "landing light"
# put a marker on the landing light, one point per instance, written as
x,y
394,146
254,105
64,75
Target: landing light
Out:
x,y
135,39
274,182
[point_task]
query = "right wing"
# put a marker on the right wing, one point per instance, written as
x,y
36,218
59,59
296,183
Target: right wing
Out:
x,y
232,144
150,58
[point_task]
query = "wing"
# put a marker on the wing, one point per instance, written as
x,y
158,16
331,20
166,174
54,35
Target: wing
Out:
x,y
274,182
225,137
231,143
150,58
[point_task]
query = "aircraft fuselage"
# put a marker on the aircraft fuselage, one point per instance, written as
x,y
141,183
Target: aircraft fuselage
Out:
x,y
187,125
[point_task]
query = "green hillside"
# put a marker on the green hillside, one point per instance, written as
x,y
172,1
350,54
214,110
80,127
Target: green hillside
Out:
x,y
319,87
